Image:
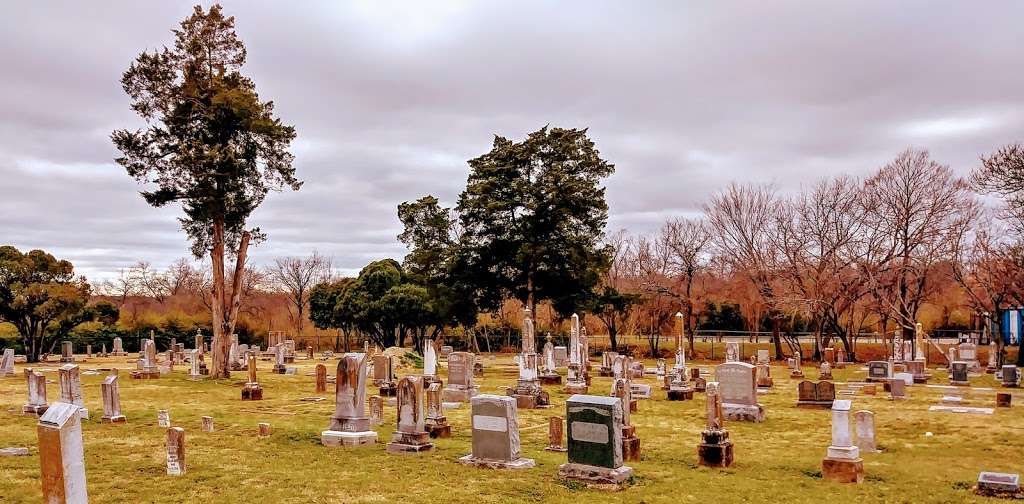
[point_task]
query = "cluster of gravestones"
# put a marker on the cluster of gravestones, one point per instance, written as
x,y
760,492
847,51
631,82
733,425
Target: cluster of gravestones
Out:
x,y
600,437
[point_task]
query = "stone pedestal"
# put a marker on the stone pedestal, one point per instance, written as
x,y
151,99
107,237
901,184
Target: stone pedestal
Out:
x,y
252,392
843,470
438,428
595,474
521,463
715,449
406,442
743,412
576,388
339,438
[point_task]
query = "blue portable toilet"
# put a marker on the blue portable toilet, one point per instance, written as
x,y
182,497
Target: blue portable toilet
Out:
x,y
1012,325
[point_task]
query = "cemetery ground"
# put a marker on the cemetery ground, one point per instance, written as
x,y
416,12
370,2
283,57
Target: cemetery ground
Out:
x,y
776,461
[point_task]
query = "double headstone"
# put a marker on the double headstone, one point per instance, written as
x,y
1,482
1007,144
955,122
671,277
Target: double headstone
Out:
x,y
818,395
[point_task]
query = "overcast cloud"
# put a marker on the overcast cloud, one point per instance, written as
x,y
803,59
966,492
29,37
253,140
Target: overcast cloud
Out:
x,y
391,98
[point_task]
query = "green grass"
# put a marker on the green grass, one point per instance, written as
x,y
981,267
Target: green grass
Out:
x,y
777,461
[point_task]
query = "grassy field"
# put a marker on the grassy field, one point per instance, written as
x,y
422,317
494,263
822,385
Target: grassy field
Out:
x,y
777,461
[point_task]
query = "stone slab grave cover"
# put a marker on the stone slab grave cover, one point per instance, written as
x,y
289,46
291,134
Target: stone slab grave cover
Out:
x,y
411,434
880,371
961,409
842,462
736,382
595,440
958,374
36,382
715,448
350,424
495,434
816,395
995,484
61,455
71,388
461,386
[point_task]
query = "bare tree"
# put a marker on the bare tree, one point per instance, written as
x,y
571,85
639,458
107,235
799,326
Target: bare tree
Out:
x,y
741,219
614,302
124,286
151,282
917,207
1002,174
296,276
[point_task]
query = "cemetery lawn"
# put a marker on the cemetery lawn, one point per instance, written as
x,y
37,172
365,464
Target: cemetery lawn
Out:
x,y
776,461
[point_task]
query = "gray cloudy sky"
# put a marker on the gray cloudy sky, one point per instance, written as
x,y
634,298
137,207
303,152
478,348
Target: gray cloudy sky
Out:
x,y
391,98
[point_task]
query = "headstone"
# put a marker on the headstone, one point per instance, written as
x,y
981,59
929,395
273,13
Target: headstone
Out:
x,y
71,388
36,382
163,418
429,360
1003,400
175,451
608,363
384,375
917,370
818,395
194,372
630,442
897,390
207,424
252,391
864,422
1011,376
764,376
993,358
736,383
880,371
576,375
495,434
561,356
732,352
958,374
556,432
350,425
118,348
264,430
763,357
61,455
842,463
528,392
461,386
825,371
595,440
321,378
7,363
446,350
715,448
411,434
67,351
376,410
840,358
112,399
436,423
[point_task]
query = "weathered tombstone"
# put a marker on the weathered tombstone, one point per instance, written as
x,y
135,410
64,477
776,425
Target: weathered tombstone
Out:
x,y
61,455
279,359
825,371
995,484
495,434
993,357
917,369
207,424
67,351
797,371
679,387
445,351
163,418
411,434
830,356
1011,376
528,392
118,348
763,357
608,363
429,363
549,375
561,356
736,383
321,378
880,371
715,448
817,395
383,367
175,451
252,391
732,351
764,376
969,354
7,363
350,425
461,386
194,372
576,375
864,422
1003,399
112,399
630,441
71,388
556,430
436,423
264,430
595,440
842,462
958,374
103,350
897,390
36,382
376,410
840,358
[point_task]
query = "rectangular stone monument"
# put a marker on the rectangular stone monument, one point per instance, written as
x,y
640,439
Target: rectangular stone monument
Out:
x,y
864,422
763,356
376,410
111,400
435,422
879,371
595,440
383,375
918,370
411,434
1010,376
958,374
163,418
607,363
495,434
61,455
176,451
816,395
461,386
842,462
897,390
207,424
7,363
118,348
350,425
321,378
71,388
561,356
36,382
556,430
67,351
736,382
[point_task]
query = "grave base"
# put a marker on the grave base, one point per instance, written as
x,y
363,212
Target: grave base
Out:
x,y
814,404
576,388
715,449
439,431
743,412
631,448
144,375
339,438
957,383
521,463
605,372
387,389
455,394
113,419
550,379
680,394
556,448
29,409
595,474
825,377
252,392
796,374
278,369
403,442
843,470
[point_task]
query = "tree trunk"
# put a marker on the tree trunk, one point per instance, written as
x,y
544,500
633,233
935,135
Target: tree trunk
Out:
x,y
221,342
776,339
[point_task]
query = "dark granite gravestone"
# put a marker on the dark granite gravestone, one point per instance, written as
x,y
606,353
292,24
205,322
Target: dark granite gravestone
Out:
x,y
595,439
817,395
880,371
958,373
